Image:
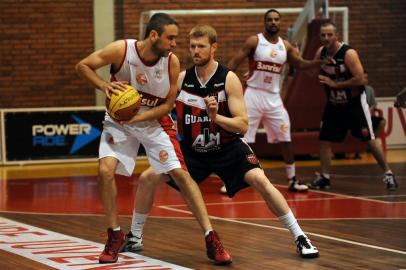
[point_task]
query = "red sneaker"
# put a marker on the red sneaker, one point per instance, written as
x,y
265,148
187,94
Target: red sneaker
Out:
x,y
215,249
115,243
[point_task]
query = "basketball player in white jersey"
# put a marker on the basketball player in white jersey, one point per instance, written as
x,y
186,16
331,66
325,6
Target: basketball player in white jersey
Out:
x,y
267,53
153,70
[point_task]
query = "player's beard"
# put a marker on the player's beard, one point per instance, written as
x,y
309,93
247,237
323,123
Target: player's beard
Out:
x,y
158,51
202,61
272,30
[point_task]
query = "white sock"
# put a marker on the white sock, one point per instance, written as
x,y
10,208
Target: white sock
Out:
x,y
290,170
291,224
388,172
207,233
326,175
137,224
117,229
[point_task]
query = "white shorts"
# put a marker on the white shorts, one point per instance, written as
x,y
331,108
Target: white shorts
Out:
x,y
123,142
267,108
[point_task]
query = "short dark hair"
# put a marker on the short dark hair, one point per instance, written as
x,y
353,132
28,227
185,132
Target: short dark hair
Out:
x,y
269,11
157,22
328,23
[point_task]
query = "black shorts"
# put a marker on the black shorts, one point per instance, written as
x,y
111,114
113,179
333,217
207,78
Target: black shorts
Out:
x,y
339,119
376,121
230,164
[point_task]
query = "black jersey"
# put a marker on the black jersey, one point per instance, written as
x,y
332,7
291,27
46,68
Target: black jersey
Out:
x,y
195,128
339,72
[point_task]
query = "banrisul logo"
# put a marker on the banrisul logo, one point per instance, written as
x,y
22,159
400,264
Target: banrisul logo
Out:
x,y
56,134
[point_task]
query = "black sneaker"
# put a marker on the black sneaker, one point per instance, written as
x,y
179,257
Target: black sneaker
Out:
x,y
320,183
305,247
390,181
133,244
296,186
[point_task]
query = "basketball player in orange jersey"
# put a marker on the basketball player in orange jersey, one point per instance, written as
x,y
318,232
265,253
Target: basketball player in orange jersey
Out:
x,y
153,70
212,117
267,53
346,109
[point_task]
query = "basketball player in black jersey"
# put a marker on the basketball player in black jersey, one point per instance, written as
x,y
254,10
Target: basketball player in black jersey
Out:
x,y
346,107
212,118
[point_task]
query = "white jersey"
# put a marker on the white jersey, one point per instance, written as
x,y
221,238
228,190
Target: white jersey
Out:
x,y
151,81
266,64
157,136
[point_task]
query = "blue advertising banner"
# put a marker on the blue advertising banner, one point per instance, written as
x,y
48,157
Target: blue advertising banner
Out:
x,y
52,135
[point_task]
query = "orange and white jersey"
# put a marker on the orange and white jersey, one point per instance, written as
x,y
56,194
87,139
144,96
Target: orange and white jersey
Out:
x,y
266,64
151,81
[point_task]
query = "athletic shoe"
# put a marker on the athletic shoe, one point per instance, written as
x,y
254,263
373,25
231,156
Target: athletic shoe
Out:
x,y
223,189
133,244
115,243
305,247
321,183
215,249
390,181
296,186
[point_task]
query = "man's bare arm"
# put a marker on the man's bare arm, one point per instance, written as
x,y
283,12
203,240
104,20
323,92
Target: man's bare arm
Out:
x,y
239,121
297,61
112,54
244,52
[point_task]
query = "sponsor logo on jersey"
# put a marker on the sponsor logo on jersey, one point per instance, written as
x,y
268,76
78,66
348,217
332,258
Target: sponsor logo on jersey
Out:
x,y
218,84
332,69
150,100
207,141
252,158
274,53
283,128
191,119
270,67
189,85
141,78
158,73
163,156
338,96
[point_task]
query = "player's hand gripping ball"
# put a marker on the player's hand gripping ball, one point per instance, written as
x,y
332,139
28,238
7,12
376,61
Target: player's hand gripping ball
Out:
x,y
124,106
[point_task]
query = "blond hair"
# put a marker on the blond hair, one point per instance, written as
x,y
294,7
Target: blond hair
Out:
x,y
204,30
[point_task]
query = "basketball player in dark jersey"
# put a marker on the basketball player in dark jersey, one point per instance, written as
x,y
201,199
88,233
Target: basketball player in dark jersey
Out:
x,y
346,108
212,119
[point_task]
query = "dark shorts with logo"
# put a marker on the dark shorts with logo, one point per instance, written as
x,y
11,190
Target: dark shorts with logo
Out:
x,y
230,163
339,119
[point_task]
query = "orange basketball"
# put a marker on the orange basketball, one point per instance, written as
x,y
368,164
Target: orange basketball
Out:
x,y
125,105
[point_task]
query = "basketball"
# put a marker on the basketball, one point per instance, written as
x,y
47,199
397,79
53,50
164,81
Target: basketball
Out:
x,y
125,105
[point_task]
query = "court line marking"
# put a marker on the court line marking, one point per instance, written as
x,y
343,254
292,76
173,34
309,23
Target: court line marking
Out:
x,y
386,196
66,252
364,176
339,194
192,217
262,201
284,229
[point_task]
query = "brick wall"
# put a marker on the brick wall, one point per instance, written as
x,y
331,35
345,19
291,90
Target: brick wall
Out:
x,y
41,40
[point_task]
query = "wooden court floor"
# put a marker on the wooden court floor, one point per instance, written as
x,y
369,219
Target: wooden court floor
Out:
x,y
50,217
